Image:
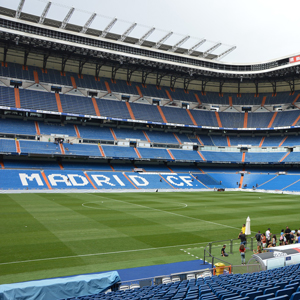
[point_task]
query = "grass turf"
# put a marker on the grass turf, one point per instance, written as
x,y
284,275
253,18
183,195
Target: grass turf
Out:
x,y
52,235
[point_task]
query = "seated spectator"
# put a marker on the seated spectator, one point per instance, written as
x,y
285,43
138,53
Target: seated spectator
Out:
x,y
223,253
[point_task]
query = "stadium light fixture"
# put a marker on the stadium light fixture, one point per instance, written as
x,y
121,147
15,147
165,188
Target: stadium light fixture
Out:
x,y
108,27
88,23
44,14
19,9
67,18
176,46
145,36
127,32
162,40
226,52
194,48
211,49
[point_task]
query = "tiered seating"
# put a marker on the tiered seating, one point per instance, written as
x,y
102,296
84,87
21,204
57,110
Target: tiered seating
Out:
x,y
7,97
251,286
119,152
186,155
245,140
39,147
122,133
95,133
259,120
7,146
162,137
232,119
260,157
272,141
16,126
57,128
177,115
219,140
82,150
114,109
75,105
146,112
203,118
222,156
154,153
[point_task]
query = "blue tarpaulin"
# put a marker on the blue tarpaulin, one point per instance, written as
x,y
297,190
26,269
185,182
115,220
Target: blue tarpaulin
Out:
x,y
59,288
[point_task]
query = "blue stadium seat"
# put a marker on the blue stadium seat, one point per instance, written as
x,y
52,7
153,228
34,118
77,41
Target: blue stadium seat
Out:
x,y
288,291
295,296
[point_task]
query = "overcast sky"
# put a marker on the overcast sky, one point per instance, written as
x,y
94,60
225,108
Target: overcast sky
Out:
x,y
261,29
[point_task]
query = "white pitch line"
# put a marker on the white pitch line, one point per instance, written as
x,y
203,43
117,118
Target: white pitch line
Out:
x,y
168,212
95,254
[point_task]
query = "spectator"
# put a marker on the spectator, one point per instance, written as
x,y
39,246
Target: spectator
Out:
x,y
268,236
274,240
263,240
243,238
288,235
243,251
244,229
282,239
223,253
258,239
298,238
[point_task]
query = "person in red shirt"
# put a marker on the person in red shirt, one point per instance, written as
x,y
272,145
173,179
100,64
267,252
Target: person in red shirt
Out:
x,y
243,253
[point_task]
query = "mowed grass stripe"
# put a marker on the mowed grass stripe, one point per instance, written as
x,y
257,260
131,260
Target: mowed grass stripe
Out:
x,y
123,226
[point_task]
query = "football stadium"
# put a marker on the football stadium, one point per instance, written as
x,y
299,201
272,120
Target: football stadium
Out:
x,y
129,166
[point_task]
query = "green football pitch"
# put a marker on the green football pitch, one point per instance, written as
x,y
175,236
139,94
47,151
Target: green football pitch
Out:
x,y
53,235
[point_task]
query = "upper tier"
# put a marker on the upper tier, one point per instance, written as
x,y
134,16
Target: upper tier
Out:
x,y
74,101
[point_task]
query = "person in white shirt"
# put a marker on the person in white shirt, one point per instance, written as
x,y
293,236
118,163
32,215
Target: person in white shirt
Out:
x,y
268,236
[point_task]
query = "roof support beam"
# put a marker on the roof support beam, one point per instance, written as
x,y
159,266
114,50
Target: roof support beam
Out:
x,y
129,74
114,70
26,53
292,85
194,48
108,27
45,59
19,9
88,23
162,40
211,49
127,32
173,81
176,46
186,83
81,64
145,36
63,63
144,77
44,13
159,77
97,69
5,53
67,18
225,53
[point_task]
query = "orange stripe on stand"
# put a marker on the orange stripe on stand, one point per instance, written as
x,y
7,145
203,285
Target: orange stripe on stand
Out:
x,y
230,100
137,153
36,76
284,157
262,141
167,182
296,121
107,87
218,119
60,165
77,131
177,138
169,96
296,99
170,169
243,156
2,165
18,146
162,114
199,140
228,141
37,128
96,108
246,119
203,158
241,182
263,101
58,102
62,149
146,136
73,82
191,117
170,153
282,141
139,91
112,167
101,150
113,134
272,120
197,98
130,181
90,181
17,98
130,111
201,170
46,180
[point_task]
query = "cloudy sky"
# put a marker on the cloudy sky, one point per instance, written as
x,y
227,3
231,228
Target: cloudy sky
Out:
x,y
261,29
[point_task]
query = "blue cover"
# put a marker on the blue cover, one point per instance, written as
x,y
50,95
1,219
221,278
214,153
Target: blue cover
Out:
x,y
59,288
